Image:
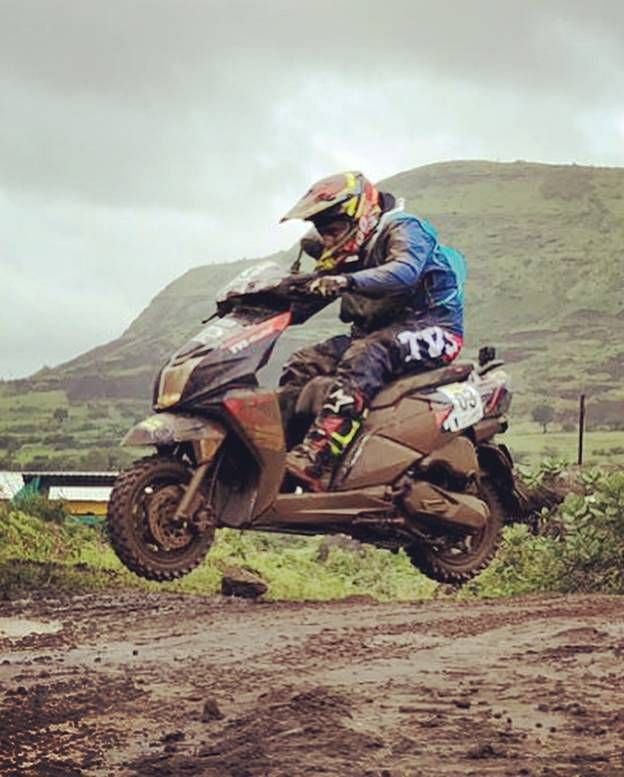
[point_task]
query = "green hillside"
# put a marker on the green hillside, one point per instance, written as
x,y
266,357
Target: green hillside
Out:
x,y
544,246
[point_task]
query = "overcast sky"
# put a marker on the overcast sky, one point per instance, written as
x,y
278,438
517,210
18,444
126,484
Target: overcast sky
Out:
x,y
140,138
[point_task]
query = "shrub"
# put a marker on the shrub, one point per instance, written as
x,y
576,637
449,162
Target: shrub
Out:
x,y
580,547
543,415
60,414
592,546
40,507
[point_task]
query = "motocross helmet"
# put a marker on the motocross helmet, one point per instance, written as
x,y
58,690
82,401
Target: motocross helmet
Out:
x,y
345,209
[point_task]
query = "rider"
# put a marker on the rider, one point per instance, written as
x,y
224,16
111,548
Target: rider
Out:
x,y
401,290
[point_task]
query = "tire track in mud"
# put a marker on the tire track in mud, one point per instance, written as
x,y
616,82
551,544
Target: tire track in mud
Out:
x,y
157,684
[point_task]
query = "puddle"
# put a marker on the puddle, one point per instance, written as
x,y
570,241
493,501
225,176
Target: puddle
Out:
x,y
16,628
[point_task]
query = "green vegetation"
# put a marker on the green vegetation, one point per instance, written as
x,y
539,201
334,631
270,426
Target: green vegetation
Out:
x,y
530,447
41,430
544,415
40,551
88,439
580,547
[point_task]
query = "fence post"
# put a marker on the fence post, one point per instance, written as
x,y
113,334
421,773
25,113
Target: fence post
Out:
x,y
581,428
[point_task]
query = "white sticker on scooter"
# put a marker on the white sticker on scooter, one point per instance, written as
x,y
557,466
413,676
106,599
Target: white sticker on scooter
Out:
x,y
216,331
467,406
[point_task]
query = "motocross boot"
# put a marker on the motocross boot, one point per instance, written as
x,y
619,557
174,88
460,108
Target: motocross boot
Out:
x,y
314,460
309,463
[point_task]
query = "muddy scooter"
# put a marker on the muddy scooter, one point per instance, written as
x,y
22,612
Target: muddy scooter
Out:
x,y
425,473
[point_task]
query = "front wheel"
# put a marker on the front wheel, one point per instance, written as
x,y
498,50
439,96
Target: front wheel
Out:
x,y
460,561
141,523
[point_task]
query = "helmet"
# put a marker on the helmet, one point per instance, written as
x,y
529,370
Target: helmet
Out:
x,y
345,210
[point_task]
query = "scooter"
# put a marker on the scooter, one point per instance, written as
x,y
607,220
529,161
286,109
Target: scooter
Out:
x,y
424,474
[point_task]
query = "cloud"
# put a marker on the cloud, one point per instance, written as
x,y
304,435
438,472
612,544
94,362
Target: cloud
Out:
x,y
143,137
166,51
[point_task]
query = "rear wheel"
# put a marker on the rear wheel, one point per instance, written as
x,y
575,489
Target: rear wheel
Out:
x,y
457,562
141,523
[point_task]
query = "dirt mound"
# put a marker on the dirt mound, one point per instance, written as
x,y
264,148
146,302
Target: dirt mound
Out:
x,y
282,733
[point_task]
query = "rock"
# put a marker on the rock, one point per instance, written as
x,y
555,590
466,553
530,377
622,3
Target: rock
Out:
x,y
238,581
486,750
211,711
173,736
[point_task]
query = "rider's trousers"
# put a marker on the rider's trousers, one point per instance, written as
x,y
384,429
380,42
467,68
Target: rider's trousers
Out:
x,y
363,365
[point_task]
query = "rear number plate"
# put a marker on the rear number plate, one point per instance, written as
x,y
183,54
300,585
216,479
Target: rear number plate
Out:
x,y
467,406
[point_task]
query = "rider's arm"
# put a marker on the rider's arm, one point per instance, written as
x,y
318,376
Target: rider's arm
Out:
x,y
407,251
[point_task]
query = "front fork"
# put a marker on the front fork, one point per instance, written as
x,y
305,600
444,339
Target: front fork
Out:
x,y
205,451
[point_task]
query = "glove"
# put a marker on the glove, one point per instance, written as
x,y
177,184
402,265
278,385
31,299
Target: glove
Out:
x,y
330,285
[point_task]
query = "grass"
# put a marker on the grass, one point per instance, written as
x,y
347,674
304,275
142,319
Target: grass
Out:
x,y
530,446
580,548
54,557
87,439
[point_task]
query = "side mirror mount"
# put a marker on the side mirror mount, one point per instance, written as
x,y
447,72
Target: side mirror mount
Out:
x,y
486,354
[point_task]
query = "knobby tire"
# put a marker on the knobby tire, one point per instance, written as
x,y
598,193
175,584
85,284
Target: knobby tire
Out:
x,y
125,535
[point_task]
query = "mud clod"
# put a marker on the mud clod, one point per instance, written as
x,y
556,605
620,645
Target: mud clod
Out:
x,y
173,736
211,711
486,750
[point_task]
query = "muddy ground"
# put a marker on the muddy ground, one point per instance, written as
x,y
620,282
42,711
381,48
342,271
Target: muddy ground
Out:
x,y
138,684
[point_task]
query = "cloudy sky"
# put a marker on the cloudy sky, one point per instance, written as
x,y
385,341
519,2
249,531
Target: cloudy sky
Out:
x,y
139,138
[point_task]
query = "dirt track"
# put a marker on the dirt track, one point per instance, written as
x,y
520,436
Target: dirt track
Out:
x,y
137,684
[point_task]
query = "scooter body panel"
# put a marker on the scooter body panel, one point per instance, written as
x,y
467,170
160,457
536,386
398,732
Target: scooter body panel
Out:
x,y
391,440
257,414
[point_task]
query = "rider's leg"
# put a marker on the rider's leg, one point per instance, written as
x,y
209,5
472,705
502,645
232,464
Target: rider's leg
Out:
x,y
366,366
308,363
303,366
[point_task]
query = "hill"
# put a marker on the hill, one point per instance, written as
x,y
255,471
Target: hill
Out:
x,y
544,247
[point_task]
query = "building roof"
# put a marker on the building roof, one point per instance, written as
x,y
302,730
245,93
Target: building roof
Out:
x,y
71,473
80,493
49,479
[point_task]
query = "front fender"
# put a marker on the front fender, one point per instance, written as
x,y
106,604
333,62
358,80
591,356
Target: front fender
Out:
x,y
172,428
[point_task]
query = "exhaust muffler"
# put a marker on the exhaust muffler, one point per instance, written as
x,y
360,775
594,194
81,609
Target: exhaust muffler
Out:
x,y
432,503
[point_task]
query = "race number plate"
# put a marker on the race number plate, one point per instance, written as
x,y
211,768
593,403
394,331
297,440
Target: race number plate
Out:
x,y
467,406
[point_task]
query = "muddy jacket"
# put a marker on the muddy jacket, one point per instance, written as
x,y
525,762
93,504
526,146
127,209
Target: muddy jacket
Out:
x,y
402,272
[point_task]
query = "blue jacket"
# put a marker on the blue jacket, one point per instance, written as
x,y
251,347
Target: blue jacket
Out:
x,y
403,272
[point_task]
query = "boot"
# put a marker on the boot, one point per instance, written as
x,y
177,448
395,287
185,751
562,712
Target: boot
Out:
x,y
314,461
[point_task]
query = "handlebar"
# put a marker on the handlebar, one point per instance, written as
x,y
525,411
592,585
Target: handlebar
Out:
x,y
291,292
298,284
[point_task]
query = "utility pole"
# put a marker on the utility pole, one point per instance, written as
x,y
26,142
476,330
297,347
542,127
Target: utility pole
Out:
x,y
581,428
